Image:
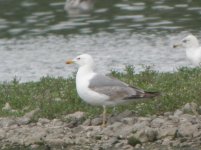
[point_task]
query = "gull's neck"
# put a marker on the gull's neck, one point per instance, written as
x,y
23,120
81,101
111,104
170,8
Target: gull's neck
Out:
x,y
193,45
85,70
193,48
84,74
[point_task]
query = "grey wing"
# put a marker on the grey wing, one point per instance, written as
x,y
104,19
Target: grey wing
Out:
x,y
114,88
100,80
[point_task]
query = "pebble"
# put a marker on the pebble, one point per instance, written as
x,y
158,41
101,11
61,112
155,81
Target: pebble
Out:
x,y
96,121
6,122
43,120
77,115
178,113
157,122
23,120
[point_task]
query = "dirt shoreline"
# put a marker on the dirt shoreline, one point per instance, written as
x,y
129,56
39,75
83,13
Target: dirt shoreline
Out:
x,y
172,130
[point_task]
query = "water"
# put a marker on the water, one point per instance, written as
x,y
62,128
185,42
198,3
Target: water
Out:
x,y
37,37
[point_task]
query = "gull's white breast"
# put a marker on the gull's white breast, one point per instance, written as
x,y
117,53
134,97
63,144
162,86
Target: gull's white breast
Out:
x,y
194,55
88,95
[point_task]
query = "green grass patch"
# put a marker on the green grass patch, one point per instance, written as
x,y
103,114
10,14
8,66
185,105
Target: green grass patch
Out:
x,y
57,96
133,141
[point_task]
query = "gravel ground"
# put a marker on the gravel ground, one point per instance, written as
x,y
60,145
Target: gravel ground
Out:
x,y
172,130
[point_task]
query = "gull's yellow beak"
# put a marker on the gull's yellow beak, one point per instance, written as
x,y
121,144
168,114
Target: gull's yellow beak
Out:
x,y
70,61
176,45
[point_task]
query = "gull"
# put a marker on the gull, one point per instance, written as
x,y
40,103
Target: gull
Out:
x,y
74,7
98,89
193,50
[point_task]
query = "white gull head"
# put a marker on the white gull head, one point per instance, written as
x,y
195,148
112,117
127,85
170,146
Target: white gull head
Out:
x,y
84,60
193,51
189,41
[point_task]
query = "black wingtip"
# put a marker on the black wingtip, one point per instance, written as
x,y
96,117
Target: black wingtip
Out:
x,y
143,95
151,94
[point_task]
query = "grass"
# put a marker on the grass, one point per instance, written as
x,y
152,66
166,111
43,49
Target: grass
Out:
x,y
133,141
57,96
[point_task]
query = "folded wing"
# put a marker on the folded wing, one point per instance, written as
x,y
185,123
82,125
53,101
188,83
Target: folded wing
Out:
x,y
117,89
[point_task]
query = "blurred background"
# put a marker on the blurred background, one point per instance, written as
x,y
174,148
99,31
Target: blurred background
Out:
x,y
38,36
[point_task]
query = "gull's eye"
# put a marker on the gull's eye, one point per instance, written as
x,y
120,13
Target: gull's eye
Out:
x,y
184,41
78,58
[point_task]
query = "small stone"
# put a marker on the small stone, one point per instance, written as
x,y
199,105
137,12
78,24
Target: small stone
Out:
x,y
57,99
77,129
127,147
158,142
2,134
151,134
118,145
126,113
175,143
77,115
32,124
7,122
74,119
190,108
34,146
35,135
117,129
13,127
197,134
187,130
157,122
57,122
31,113
146,119
174,119
113,140
137,146
26,108
73,123
185,144
43,120
7,107
115,126
140,125
87,122
166,141
23,120
128,121
81,140
188,118
186,108
167,114
146,134
119,117
178,113
96,121
168,131
13,111
199,110
57,141
194,108
95,129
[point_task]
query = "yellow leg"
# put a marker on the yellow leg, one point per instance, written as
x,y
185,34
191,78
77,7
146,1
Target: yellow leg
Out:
x,y
104,116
